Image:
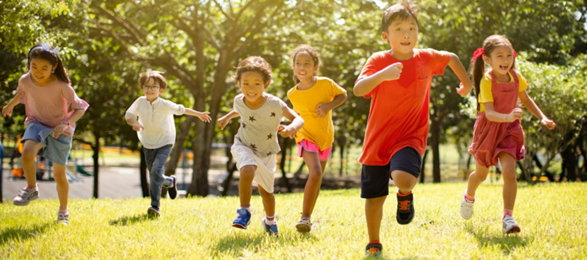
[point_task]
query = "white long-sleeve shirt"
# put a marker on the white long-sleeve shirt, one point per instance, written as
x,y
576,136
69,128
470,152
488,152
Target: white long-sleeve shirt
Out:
x,y
156,119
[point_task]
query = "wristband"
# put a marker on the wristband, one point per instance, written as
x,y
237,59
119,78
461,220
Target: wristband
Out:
x,y
65,122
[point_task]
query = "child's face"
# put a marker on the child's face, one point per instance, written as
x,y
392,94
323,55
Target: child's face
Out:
x,y
500,59
41,70
402,36
304,67
151,89
252,86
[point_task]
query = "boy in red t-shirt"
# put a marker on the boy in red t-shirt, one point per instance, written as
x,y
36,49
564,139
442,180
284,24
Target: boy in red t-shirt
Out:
x,y
398,83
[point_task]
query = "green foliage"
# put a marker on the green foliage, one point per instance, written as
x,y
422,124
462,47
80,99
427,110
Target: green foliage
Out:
x,y
198,228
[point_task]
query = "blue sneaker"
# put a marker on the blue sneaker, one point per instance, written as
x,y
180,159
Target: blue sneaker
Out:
x,y
243,219
271,229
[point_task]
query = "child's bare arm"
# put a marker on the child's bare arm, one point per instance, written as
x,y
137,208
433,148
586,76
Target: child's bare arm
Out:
x,y
458,68
296,123
76,115
495,116
367,84
535,110
223,121
204,116
323,109
7,110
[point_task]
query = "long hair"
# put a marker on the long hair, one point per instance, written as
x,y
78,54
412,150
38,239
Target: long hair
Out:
x,y
51,57
478,65
310,51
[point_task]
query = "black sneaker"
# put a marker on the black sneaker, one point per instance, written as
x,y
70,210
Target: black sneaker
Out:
x,y
405,209
373,250
154,212
173,190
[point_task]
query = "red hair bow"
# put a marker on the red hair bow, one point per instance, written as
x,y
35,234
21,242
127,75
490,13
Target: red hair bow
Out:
x,y
478,53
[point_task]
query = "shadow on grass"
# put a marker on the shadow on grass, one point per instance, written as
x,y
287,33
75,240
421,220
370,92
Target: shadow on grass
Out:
x,y
23,233
130,220
236,244
507,243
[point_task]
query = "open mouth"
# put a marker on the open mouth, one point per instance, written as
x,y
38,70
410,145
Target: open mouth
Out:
x,y
504,67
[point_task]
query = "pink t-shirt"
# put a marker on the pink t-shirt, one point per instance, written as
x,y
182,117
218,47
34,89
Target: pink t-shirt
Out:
x,y
51,104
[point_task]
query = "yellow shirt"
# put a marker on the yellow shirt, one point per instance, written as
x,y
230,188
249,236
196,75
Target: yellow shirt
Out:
x,y
318,130
485,95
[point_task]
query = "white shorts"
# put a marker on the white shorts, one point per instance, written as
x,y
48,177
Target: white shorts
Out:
x,y
266,166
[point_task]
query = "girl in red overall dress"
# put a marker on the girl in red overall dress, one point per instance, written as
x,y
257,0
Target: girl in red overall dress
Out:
x,y
498,134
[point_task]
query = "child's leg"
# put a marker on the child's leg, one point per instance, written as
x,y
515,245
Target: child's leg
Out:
x,y
312,189
404,181
268,202
476,178
157,158
245,187
62,182
510,184
374,214
29,161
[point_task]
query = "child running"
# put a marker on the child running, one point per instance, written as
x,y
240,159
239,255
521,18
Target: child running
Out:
x,y
156,131
255,144
52,108
398,82
498,134
313,98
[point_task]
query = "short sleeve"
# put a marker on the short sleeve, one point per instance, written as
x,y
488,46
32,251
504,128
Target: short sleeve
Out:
x,y
73,101
523,83
369,69
438,61
485,95
336,89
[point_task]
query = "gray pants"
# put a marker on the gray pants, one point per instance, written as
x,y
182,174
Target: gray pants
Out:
x,y
156,159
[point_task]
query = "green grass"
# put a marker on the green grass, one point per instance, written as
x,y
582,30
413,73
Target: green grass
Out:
x,y
552,217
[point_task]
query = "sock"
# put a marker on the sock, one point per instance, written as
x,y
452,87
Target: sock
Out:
x,y
375,242
402,194
269,220
507,212
31,188
469,198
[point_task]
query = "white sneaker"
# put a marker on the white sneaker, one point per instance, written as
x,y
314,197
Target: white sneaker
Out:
x,y
63,218
510,225
304,225
466,208
25,196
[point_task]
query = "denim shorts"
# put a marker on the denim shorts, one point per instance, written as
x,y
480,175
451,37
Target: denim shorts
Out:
x,y
375,178
56,150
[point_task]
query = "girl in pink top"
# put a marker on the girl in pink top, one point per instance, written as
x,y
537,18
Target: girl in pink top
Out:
x,y
52,108
498,134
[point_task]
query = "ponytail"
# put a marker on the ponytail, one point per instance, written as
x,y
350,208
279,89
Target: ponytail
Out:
x,y
477,71
48,53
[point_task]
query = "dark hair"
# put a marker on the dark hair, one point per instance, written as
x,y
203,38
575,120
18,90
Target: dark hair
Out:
x,y
403,10
308,49
155,75
51,57
255,64
478,65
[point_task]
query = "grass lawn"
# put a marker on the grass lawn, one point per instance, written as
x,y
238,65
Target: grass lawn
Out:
x,y
553,218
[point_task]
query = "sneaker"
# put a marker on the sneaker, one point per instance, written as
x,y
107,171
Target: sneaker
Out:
x,y
304,225
154,212
466,207
271,229
173,190
405,209
63,218
510,225
243,219
373,250
25,196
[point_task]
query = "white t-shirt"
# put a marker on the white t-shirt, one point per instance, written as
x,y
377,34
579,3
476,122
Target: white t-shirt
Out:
x,y
156,119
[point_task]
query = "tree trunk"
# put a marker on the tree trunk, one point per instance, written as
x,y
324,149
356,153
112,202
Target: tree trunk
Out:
x,y
285,145
570,162
422,175
96,158
435,144
341,141
1,170
173,162
538,163
143,173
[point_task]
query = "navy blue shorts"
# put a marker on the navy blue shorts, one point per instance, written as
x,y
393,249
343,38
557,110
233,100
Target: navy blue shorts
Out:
x,y
375,178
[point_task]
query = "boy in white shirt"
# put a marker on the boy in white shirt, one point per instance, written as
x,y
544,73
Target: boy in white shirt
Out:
x,y
156,131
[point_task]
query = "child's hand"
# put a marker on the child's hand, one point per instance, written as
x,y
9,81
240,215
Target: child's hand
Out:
x,y
393,71
137,126
58,130
222,122
321,110
205,116
548,123
285,131
462,90
7,111
516,114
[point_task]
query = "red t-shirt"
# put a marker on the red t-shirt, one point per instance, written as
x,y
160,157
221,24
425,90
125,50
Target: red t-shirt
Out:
x,y
398,116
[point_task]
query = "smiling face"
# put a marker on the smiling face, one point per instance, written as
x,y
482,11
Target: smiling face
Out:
x,y
252,86
304,67
402,35
42,71
501,59
152,89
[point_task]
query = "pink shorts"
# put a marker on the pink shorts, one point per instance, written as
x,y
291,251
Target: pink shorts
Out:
x,y
312,147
